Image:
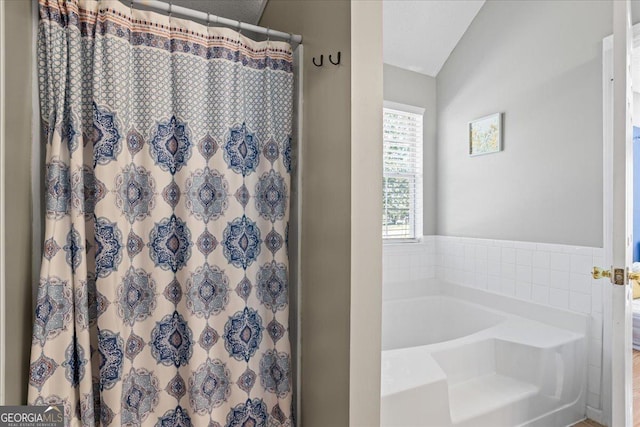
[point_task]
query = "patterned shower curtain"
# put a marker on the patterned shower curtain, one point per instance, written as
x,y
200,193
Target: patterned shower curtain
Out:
x,y
163,297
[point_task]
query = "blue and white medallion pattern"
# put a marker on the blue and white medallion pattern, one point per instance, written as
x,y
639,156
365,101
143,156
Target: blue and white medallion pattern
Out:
x,y
244,288
251,413
162,146
58,189
242,150
170,146
241,242
140,389
271,196
68,130
271,151
86,191
274,241
173,292
74,249
136,296
135,141
41,370
273,287
172,341
286,154
50,248
207,291
171,194
111,349
134,244
106,138
247,380
109,246
133,346
242,195
243,334
75,363
208,147
53,309
175,418
275,330
208,338
135,192
207,194
170,244
209,386
176,387
274,372
206,243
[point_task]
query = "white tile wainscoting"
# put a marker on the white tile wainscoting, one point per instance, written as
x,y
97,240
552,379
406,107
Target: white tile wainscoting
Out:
x,y
548,274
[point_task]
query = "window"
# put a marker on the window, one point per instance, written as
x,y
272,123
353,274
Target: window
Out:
x,y
402,172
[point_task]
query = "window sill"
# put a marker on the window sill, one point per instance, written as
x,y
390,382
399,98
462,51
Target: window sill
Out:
x,y
399,242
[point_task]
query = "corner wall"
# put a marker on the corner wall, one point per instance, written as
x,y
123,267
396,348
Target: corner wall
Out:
x,y
366,212
16,137
411,88
326,205
520,58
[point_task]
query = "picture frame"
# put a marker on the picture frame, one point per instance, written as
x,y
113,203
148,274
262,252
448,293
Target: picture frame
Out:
x,y
485,135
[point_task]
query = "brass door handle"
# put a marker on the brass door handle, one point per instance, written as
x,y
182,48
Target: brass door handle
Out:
x,y
618,275
598,273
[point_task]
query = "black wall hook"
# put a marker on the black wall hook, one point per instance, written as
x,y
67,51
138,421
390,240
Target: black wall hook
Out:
x,y
337,62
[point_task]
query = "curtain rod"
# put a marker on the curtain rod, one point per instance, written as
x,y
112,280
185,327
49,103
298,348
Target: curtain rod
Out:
x,y
204,16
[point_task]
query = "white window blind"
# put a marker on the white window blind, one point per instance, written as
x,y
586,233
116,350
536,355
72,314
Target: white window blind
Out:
x,y
402,174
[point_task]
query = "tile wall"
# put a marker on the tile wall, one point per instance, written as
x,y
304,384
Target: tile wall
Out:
x,y
548,274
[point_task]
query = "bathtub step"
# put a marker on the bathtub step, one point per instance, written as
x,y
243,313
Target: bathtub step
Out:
x,y
486,394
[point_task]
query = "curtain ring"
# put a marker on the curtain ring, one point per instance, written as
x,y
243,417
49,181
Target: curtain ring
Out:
x,y
170,10
208,18
268,31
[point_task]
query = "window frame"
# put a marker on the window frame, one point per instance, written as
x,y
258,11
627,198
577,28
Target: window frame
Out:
x,y
419,177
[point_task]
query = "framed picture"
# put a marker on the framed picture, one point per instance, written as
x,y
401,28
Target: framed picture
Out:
x,y
485,135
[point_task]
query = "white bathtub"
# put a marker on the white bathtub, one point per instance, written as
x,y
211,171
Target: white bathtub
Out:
x,y
493,362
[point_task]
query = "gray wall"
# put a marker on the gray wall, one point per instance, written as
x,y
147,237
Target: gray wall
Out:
x,y
17,214
326,205
540,64
411,88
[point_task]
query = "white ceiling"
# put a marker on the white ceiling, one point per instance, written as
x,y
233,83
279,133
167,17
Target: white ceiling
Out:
x,y
419,35
248,11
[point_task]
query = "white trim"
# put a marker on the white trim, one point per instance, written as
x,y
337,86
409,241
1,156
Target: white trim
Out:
x,y
608,297
404,108
607,233
2,210
390,241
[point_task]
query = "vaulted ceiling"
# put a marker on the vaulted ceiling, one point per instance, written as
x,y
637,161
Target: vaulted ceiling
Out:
x,y
420,35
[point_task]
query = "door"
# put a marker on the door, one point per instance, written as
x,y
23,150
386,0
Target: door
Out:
x,y
618,219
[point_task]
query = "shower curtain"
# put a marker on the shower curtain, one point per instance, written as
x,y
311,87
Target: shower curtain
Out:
x,y
163,296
